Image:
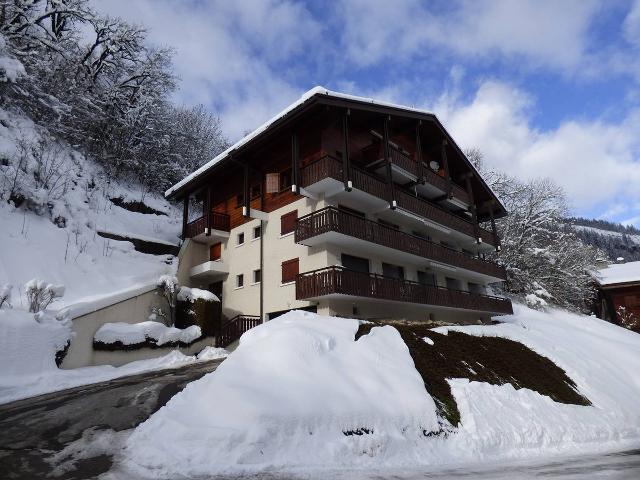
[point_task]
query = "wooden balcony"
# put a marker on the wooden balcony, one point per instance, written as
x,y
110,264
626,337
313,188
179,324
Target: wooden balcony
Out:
x,y
331,219
332,281
331,167
219,223
374,153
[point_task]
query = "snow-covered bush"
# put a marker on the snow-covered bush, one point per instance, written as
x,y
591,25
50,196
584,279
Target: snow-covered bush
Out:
x,y
40,294
628,319
168,287
5,295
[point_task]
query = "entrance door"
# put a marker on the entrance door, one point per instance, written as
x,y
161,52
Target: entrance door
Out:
x,y
215,251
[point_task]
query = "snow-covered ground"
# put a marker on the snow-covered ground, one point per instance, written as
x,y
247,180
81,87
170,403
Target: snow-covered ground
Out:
x,y
27,356
299,395
72,253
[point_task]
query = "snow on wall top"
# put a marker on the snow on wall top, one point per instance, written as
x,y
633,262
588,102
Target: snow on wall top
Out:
x,y
618,273
318,90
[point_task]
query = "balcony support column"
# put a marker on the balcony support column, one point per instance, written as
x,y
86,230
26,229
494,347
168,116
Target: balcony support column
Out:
x,y
445,165
421,176
185,216
496,238
387,158
346,159
472,206
246,211
207,211
295,163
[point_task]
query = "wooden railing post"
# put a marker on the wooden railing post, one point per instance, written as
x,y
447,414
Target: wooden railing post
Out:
x,y
421,177
445,165
496,238
472,207
207,207
185,216
346,160
295,162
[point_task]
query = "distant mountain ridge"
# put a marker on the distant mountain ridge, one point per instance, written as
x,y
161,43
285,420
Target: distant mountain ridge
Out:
x,y
615,239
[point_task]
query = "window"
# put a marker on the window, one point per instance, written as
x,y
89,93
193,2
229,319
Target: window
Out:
x,y
240,239
257,276
288,222
426,278
393,271
453,283
256,191
475,288
290,270
257,231
286,179
356,264
239,281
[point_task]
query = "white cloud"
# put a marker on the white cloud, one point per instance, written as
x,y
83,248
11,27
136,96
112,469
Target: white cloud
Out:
x,y
631,24
544,32
228,53
596,162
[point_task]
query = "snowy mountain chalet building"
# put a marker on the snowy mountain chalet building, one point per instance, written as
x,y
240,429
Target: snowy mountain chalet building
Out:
x,y
343,206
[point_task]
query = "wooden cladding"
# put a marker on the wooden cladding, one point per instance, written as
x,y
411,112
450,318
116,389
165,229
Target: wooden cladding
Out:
x,y
330,167
338,280
218,221
288,222
290,270
273,182
333,219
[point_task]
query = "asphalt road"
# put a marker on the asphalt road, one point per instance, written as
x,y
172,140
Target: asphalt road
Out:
x,y
37,435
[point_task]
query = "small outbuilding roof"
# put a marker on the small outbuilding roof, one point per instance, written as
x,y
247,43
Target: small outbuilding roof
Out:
x,y
619,273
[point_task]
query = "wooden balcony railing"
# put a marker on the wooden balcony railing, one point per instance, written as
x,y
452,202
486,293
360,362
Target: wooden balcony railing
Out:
x,y
219,221
338,280
234,328
375,152
331,167
331,219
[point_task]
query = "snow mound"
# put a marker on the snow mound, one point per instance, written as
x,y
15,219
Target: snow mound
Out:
x,y
134,333
297,389
300,394
212,353
27,356
187,294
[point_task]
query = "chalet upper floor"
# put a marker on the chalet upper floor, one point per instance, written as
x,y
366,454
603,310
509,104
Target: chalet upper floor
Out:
x,y
396,163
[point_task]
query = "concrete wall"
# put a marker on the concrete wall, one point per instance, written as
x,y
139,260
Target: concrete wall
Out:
x,y
132,310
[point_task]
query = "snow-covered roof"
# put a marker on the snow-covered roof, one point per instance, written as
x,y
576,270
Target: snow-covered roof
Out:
x,y
619,273
306,96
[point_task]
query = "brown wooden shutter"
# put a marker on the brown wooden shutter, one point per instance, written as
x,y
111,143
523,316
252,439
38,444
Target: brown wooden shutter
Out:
x,y
290,270
288,222
215,251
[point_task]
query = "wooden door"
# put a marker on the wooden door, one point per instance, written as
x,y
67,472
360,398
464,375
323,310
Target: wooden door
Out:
x,y
215,251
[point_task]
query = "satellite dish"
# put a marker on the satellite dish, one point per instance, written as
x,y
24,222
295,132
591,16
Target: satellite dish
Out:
x,y
435,166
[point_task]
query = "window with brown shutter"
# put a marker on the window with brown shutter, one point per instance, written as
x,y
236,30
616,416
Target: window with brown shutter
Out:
x,y
215,251
288,222
290,270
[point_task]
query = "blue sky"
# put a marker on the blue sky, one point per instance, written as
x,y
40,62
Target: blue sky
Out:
x,y
543,88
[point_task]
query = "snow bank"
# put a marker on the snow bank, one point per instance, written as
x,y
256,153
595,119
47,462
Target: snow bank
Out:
x,y
134,333
285,398
212,353
296,390
27,356
192,294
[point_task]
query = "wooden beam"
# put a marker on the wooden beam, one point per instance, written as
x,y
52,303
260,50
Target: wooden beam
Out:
x,y
472,207
445,164
207,211
346,160
496,238
421,177
295,163
387,159
247,197
185,216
